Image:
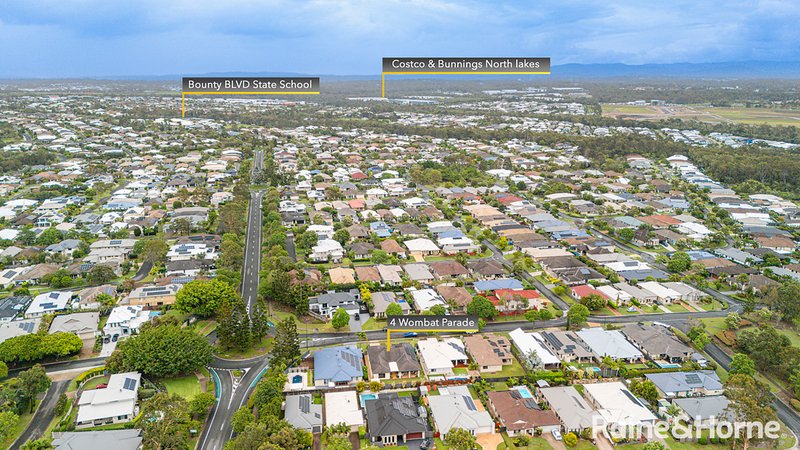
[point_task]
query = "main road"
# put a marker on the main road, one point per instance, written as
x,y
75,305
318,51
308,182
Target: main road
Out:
x,y
232,392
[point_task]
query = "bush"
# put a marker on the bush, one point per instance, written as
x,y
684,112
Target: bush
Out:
x,y
702,440
570,440
91,373
795,404
144,394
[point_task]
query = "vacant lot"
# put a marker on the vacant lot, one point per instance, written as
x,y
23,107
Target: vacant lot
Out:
x,y
704,114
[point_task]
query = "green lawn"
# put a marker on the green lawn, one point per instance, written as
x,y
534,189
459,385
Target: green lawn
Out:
x,y
187,386
373,324
91,384
677,307
536,443
259,349
24,420
714,325
511,370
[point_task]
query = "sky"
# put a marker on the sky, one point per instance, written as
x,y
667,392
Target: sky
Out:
x,y
77,38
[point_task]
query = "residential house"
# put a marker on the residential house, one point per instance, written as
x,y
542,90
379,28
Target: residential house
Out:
x,y
84,324
393,420
400,361
449,269
326,304
571,409
337,366
657,342
301,412
425,299
519,414
687,384
567,346
531,343
98,440
125,321
489,351
49,302
116,403
611,343
343,407
454,407
456,297
618,406
151,296
381,300
326,250
438,358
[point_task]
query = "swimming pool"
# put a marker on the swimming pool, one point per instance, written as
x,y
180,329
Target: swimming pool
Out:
x,y
524,392
365,397
668,365
297,379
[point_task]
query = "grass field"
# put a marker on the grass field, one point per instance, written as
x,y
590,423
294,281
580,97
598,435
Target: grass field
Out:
x,y
752,116
187,387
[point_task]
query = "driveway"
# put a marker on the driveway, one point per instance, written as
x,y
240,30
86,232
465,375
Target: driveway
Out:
x,y
489,441
44,414
355,325
108,349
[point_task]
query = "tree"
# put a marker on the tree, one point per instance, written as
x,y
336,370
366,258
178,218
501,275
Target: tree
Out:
x,y
38,444
626,234
341,318
341,236
3,370
785,299
394,309
380,257
577,315
306,240
164,422
733,321
49,236
570,439
532,360
242,418
155,250
33,382
287,341
201,403
743,364
100,274
161,351
204,297
750,402
460,439
679,262
594,301
8,422
438,310
34,347
482,307
646,390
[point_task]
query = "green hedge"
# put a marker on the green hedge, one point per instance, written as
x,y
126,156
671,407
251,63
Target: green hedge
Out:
x,y
91,373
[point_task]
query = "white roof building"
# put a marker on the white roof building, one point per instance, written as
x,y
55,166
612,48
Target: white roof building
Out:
x,y
125,320
343,407
530,342
618,405
439,357
116,403
421,245
425,299
611,343
662,292
47,303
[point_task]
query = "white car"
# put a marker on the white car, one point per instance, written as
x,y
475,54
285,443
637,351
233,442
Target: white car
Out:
x,y
556,435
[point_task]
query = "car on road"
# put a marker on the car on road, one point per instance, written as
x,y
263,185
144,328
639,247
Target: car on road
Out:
x,y
426,444
556,435
410,334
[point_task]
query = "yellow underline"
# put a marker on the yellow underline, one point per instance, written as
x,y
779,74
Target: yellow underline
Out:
x,y
250,93
466,73
437,331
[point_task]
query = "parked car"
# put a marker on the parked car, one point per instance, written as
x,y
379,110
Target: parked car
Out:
x,y
556,435
425,444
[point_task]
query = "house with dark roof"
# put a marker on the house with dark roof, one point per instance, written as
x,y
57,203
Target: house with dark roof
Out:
x,y
487,269
687,384
399,362
657,342
521,415
337,366
393,420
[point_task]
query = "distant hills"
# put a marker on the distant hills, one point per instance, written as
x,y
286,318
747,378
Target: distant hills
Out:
x,y
743,69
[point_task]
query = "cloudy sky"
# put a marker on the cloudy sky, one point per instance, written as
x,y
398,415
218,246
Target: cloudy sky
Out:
x,y
72,38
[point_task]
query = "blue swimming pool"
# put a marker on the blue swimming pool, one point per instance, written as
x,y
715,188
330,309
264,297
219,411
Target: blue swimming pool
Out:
x,y
297,379
524,392
365,397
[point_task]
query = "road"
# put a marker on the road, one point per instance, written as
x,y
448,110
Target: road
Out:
x,y
43,415
252,251
497,255
143,271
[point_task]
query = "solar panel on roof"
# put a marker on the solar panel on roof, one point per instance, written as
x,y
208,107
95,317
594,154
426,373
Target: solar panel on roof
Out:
x,y
129,384
53,295
470,404
692,378
305,404
115,242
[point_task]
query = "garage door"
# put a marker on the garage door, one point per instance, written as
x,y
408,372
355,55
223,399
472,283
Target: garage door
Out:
x,y
410,436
